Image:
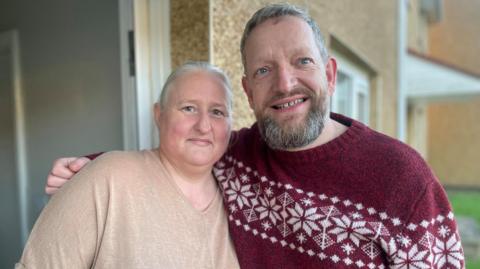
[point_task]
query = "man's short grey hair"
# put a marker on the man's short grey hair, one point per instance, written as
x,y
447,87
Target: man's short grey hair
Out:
x,y
190,67
280,10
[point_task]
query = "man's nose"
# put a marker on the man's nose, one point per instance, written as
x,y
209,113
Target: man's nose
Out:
x,y
286,78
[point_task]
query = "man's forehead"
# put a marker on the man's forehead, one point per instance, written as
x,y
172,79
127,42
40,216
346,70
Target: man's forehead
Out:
x,y
294,26
276,20
265,34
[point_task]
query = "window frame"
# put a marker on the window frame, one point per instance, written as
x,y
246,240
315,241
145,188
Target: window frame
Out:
x,y
360,85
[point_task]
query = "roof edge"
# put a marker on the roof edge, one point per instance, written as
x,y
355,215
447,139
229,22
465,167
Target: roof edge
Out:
x,y
431,59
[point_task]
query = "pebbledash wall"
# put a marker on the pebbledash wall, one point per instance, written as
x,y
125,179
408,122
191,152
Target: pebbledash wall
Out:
x,y
189,31
454,132
366,29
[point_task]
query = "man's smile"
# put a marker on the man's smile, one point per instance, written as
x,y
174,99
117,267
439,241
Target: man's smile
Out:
x,y
288,104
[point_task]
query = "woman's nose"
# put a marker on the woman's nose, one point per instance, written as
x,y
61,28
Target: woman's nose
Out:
x,y
203,123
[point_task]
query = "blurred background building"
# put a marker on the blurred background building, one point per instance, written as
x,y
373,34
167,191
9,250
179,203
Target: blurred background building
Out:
x,y
80,76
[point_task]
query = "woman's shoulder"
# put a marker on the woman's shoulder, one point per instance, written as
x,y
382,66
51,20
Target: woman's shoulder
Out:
x,y
119,156
122,160
115,164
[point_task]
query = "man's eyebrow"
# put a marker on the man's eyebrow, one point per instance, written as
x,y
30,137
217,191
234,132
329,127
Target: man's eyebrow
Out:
x,y
302,51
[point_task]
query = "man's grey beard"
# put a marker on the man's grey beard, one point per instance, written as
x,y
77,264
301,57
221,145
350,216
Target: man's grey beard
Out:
x,y
299,136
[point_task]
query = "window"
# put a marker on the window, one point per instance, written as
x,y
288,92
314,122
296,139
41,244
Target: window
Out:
x,y
351,97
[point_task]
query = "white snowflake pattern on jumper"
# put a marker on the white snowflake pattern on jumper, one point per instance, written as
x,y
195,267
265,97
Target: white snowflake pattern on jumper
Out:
x,y
337,228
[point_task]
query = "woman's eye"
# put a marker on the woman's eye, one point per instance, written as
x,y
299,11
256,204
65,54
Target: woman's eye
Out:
x,y
218,113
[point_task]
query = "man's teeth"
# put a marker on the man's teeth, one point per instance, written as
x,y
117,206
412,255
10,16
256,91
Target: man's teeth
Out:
x,y
289,104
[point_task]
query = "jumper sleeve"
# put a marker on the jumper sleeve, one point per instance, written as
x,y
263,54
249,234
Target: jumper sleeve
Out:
x,y
69,229
430,238
94,155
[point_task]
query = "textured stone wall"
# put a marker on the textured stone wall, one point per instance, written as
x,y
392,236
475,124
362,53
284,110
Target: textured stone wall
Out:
x,y
229,18
367,27
189,31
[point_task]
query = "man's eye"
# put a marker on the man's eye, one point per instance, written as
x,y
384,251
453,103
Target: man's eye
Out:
x,y
261,71
305,61
188,109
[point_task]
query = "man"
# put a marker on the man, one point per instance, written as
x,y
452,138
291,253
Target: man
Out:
x,y
308,189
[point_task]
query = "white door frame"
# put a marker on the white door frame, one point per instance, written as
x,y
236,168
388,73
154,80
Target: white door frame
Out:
x,y
129,114
150,22
9,40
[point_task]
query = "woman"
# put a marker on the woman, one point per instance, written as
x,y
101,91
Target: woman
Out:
x,y
158,208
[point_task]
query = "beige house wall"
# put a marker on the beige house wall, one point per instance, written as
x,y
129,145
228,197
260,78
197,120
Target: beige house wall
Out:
x,y
417,40
454,143
417,28
367,28
456,38
454,132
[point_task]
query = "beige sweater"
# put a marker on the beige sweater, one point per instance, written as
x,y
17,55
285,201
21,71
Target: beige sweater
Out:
x,y
122,211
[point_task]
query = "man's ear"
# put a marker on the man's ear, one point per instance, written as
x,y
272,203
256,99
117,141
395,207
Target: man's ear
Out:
x,y
331,74
247,90
157,111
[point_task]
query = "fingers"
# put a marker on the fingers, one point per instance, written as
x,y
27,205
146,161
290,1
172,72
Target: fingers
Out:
x,y
54,183
78,164
61,168
50,190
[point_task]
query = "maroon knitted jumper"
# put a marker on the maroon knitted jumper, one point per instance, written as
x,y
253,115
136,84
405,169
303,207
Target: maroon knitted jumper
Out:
x,y
363,200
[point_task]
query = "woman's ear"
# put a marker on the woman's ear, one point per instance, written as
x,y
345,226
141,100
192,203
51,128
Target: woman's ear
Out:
x,y
157,111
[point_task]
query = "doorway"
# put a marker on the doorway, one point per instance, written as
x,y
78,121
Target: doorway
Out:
x,y
146,64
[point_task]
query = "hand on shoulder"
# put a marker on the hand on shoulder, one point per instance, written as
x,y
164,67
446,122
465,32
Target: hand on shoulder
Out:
x,y
63,169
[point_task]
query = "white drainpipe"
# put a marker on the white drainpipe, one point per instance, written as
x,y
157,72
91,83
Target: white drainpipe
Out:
x,y
402,25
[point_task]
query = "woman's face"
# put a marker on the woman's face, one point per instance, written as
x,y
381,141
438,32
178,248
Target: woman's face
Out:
x,y
194,124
